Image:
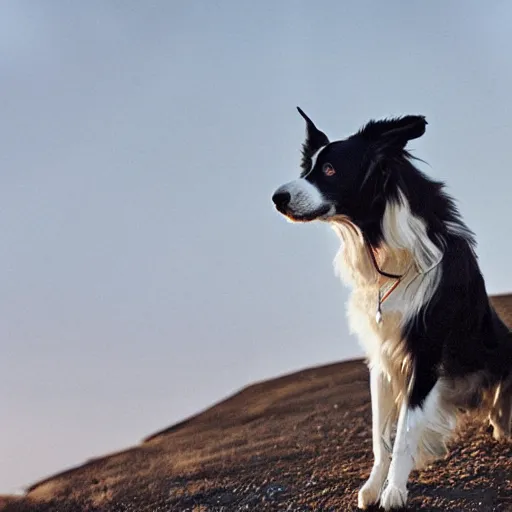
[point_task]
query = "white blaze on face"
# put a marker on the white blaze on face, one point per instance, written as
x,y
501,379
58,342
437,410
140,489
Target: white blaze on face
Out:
x,y
314,158
305,198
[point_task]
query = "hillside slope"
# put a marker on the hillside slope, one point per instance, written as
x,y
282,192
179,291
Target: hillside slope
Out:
x,y
298,443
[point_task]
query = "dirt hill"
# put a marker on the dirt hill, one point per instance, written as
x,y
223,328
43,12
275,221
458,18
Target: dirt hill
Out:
x,y
296,443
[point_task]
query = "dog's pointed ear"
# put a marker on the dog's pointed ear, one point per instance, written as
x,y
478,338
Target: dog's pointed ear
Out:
x,y
315,139
395,133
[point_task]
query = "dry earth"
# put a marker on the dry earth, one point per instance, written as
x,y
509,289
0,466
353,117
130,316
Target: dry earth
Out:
x,y
296,443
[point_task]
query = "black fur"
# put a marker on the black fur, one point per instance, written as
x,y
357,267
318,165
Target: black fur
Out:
x,y
459,333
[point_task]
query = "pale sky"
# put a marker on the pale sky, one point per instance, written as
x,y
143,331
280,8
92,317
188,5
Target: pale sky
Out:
x,y
144,273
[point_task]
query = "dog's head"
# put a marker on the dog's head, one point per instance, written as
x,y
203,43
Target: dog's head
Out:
x,y
352,178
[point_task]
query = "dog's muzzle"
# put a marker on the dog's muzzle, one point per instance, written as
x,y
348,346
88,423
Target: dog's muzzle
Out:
x,y
301,201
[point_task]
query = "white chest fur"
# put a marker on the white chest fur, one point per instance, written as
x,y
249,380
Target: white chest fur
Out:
x,y
382,342
406,251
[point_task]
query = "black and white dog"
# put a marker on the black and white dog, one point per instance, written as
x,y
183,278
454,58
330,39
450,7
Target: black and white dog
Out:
x,y
435,346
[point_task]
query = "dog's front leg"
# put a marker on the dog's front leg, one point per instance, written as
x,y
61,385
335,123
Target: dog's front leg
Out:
x,y
423,426
383,417
404,451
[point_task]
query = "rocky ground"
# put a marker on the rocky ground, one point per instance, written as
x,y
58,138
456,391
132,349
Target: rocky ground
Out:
x,y
297,443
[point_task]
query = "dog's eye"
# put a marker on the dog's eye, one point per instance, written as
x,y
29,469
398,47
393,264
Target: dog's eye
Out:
x,y
329,170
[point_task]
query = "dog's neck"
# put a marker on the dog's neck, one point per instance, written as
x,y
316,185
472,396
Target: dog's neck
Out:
x,y
354,261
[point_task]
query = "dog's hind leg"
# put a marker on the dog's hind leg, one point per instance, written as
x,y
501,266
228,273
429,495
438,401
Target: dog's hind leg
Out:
x,y
500,416
422,430
383,418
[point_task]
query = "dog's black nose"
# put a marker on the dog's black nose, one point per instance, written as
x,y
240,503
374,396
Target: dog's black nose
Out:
x,y
281,200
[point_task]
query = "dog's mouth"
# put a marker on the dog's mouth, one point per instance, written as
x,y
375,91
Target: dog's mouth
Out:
x,y
322,213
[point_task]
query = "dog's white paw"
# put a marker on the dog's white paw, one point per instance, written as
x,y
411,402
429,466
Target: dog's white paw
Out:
x,y
369,494
393,497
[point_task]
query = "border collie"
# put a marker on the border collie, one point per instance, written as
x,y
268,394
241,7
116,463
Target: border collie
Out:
x,y
435,347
